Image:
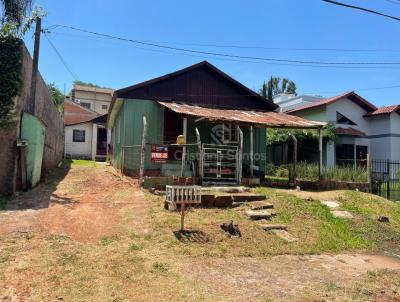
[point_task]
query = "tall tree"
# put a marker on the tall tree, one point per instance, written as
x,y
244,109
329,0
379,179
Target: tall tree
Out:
x,y
15,11
56,94
277,86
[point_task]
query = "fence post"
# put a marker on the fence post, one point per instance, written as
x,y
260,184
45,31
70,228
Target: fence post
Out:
x,y
143,150
292,177
369,173
184,147
320,154
388,180
122,159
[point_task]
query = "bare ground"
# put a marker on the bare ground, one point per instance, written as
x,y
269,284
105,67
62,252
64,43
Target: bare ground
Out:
x,y
86,205
90,204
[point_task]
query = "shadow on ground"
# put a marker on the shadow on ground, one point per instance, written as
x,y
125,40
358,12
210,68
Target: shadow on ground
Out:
x,y
41,196
192,236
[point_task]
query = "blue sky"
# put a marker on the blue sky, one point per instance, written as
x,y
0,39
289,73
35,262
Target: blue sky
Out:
x,y
284,24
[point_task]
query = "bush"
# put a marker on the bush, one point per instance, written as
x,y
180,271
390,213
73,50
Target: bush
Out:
x,y
307,171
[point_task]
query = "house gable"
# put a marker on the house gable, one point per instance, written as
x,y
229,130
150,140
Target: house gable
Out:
x,y
201,84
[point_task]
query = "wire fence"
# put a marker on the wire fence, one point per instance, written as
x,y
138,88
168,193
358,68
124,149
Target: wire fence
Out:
x,y
385,176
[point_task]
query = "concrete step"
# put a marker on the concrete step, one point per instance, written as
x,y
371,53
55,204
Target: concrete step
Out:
x,y
261,214
285,235
261,206
270,227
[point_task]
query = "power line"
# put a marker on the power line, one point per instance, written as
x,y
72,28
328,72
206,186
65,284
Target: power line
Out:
x,y
61,58
255,46
192,51
362,9
242,60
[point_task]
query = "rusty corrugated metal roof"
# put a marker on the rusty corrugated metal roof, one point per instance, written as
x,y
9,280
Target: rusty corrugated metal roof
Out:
x,y
269,119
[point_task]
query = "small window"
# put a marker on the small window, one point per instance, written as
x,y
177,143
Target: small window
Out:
x,y
230,134
78,136
84,104
104,107
341,119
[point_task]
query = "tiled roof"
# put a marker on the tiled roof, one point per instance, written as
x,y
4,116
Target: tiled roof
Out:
x,y
270,119
349,131
76,114
384,110
351,95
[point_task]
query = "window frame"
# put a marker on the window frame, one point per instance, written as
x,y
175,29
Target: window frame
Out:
x,y
231,128
74,140
349,121
104,107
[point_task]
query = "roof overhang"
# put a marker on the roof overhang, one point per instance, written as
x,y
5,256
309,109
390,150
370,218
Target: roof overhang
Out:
x,y
258,118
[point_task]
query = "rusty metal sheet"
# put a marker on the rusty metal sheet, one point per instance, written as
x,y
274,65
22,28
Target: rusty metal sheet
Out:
x,y
262,118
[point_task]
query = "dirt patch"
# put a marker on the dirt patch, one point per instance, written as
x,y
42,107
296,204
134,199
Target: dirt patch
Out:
x,y
286,277
86,205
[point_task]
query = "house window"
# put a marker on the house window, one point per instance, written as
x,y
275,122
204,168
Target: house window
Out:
x,y
104,107
84,104
341,119
230,133
78,136
345,155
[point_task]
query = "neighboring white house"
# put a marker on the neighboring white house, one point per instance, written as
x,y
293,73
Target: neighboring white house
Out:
x,y
361,127
288,102
85,132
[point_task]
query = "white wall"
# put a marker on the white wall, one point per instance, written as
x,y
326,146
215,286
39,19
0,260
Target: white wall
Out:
x,y
77,149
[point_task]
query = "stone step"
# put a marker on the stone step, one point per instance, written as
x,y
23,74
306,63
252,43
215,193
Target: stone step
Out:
x,y
342,214
285,235
270,227
262,206
261,214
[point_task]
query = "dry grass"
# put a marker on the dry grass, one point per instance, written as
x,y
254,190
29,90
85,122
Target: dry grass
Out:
x,y
156,266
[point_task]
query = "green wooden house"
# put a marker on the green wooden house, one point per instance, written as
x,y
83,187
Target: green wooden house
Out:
x,y
221,123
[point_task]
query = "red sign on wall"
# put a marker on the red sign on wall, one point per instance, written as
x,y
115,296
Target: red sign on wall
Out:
x,y
159,154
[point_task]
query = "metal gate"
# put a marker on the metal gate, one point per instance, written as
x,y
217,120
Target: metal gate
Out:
x,y
220,164
385,177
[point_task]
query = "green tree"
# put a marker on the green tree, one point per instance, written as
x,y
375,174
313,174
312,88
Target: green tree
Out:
x,y
57,96
276,86
77,82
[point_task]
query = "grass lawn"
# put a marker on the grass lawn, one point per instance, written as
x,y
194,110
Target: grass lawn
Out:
x,y
83,163
307,219
156,266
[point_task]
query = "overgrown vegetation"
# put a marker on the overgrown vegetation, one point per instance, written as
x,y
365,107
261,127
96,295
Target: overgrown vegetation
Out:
x,y
78,82
10,77
283,135
14,23
56,95
310,171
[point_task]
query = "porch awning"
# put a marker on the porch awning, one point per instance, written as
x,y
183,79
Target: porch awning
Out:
x,y
261,118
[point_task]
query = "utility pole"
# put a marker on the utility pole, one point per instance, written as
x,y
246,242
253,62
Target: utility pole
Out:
x,y
35,65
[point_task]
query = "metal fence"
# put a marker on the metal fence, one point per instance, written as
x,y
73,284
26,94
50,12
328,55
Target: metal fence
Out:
x,y
385,177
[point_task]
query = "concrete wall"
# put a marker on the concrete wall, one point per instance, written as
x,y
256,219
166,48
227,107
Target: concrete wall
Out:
x,y
79,149
47,112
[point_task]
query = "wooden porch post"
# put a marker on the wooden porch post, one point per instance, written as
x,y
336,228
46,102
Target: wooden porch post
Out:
x,y
251,152
240,156
320,153
200,154
184,148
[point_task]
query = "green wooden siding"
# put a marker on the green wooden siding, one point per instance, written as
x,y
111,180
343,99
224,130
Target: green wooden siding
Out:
x,y
128,128
33,132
